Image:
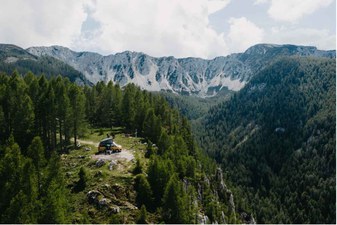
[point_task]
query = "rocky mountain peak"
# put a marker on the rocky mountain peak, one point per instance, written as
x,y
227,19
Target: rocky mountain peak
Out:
x,y
188,76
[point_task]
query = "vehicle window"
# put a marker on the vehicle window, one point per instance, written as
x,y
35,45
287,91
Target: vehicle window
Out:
x,y
107,142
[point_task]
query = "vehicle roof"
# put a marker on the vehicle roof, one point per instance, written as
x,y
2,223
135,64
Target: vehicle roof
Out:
x,y
106,139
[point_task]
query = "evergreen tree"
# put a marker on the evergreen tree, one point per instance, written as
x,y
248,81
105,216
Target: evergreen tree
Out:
x,y
142,217
77,102
129,106
36,153
54,201
150,150
144,192
24,206
175,205
138,168
18,111
62,105
10,177
105,113
54,204
159,173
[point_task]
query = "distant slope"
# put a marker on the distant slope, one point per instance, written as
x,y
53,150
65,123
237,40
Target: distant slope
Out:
x,y
193,107
186,76
15,58
276,139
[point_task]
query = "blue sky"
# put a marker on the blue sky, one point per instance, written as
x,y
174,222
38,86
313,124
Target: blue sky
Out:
x,y
182,28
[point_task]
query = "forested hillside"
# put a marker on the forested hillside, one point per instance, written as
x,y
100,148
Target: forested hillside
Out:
x,y
193,107
15,58
41,119
276,141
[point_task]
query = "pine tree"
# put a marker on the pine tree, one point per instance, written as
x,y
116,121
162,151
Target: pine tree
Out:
x,y
36,153
142,217
105,113
10,176
159,173
18,111
129,106
117,95
54,201
62,105
175,206
144,192
77,102
138,168
54,204
24,206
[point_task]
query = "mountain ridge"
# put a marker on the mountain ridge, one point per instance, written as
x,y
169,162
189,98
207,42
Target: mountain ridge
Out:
x,y
13,57
187,76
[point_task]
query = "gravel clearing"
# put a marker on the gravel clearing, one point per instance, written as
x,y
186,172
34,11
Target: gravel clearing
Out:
x,y
124,154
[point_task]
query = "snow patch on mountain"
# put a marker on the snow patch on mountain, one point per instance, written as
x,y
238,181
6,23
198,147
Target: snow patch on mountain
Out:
x,y
192,76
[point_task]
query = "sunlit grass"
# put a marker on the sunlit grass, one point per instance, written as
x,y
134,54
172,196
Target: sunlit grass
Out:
x,y
99,178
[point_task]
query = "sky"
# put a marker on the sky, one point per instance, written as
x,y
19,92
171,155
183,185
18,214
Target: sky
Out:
x,y
180,28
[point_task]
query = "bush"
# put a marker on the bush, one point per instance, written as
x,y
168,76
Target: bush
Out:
x,y
82,182
139,168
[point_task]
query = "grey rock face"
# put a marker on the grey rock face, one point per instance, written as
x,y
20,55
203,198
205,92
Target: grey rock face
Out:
x,y
192,76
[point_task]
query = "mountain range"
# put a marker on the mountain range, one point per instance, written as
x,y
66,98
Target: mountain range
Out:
x,y
186,76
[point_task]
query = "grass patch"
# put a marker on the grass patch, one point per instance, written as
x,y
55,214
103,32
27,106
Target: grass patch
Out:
x,y
116,184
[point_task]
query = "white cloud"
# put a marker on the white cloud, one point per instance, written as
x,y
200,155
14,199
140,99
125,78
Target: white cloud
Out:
x,y
156,27
322,39
293,10
243,34
37,22
216,5
257,2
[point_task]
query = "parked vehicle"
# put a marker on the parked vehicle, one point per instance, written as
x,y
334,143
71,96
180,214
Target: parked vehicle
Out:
x,y
107,145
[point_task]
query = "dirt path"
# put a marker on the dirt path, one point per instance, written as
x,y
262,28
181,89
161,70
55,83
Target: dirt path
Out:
x,y
87,142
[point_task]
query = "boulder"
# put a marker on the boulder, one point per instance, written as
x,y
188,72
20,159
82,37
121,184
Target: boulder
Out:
x,y
115,210
112,165
203,219
100,163
93,196
247,218
104,202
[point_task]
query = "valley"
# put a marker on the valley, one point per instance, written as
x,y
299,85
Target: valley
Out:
x,y
246,138
168,112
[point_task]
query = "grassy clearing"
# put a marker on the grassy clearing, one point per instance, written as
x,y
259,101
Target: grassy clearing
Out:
x,y
115,185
